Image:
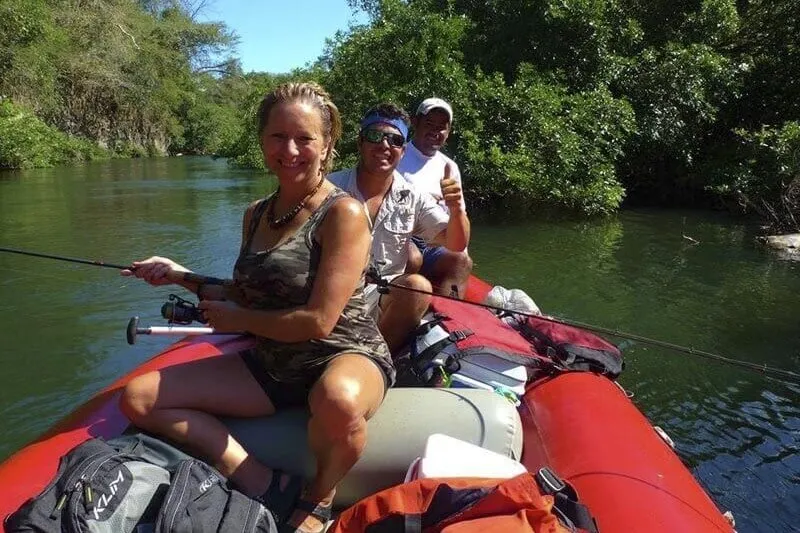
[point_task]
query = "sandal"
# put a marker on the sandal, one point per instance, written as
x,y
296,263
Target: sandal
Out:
x,y
320,511
281,501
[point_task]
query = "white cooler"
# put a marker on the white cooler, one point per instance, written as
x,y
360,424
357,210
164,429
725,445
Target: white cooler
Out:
x,y
445,456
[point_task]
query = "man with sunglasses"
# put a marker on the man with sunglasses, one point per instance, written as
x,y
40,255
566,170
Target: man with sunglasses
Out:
x,y
397,211
425,166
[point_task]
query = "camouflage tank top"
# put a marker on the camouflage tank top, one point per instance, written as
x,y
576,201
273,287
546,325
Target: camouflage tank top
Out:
x,y
282,278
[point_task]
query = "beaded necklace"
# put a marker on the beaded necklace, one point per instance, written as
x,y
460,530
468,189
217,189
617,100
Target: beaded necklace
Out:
x,y
276,223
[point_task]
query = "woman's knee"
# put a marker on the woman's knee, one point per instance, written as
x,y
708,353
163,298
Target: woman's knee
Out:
x,y
348,393
335,404
139,396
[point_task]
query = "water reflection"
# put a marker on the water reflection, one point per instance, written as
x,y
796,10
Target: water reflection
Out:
x,y
63,325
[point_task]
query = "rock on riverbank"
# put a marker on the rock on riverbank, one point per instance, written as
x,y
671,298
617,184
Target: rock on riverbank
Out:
x,y
787,246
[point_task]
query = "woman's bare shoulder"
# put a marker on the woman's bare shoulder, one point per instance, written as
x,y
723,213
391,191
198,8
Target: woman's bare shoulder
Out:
x,y
347,213
347,206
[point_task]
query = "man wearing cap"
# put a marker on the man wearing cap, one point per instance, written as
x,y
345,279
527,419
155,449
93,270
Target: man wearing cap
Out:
x,y
397,210
425,166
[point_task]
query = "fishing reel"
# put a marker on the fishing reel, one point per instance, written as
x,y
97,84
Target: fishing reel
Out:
x,y
180,311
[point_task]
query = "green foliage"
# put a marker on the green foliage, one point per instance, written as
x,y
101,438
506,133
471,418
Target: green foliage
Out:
x,y
567,104
404,56
209,115
529,139
761,171
115,73
715,23
536,145
576,42
769,43
677,93
27,142
21,22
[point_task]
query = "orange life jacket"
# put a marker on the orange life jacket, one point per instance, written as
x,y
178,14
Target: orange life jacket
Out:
x,y
461,505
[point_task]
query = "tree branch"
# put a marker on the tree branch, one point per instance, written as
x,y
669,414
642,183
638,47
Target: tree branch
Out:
x,y
123,30
219,67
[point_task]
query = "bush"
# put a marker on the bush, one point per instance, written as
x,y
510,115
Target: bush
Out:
x,y
529,139
27,142
762,173
539,145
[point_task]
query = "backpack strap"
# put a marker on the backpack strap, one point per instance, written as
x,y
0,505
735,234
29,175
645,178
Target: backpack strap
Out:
x,y
517,359
565,498
412,523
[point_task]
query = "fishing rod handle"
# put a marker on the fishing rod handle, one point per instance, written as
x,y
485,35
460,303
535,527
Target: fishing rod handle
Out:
x,y
133,330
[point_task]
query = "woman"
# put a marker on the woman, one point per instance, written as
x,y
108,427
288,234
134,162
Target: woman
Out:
x,y
299,290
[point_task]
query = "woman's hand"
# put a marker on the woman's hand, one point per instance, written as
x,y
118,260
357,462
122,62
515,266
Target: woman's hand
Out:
x,y
224,316
155,270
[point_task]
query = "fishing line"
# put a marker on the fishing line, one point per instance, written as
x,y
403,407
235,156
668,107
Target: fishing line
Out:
x,y
384,285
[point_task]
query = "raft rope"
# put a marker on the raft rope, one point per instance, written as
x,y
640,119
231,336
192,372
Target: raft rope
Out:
x,y
385,285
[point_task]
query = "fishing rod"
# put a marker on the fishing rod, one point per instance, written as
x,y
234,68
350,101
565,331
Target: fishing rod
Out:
x,y
172,276
134,329
183,312
384,286
171,311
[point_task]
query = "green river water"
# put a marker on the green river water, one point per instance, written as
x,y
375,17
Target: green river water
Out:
x,y
63,325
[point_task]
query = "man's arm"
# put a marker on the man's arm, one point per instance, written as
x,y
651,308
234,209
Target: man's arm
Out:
x,y
456,236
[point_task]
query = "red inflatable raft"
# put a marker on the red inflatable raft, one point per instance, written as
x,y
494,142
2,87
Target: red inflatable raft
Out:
x,y
580,424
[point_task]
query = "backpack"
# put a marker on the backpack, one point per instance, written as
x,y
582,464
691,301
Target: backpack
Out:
x,y
140,484
528,503
457,331
572,347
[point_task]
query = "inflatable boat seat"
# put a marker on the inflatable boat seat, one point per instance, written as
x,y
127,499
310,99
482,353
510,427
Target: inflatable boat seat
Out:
x,y
396,435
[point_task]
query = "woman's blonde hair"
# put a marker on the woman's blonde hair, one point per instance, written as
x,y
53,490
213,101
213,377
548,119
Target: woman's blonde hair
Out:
x,y
308,93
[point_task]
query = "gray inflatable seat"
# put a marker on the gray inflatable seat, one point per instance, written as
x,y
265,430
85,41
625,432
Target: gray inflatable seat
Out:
x,y
396,435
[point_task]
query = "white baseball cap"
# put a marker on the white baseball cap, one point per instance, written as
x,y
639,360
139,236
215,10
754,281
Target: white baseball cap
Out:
x,y
430,104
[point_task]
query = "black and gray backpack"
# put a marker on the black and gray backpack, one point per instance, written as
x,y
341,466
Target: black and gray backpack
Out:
x,y
138,484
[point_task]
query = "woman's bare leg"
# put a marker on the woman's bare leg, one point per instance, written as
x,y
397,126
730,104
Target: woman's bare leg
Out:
x,y
347,394
180,403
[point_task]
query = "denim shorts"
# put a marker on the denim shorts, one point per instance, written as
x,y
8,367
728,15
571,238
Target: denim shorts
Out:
x,y
430,254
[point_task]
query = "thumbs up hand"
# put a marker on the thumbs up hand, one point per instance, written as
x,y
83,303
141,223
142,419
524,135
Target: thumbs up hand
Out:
x,y
451,190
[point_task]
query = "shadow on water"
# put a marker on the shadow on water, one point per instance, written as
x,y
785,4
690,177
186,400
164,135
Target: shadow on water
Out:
x,y
63,324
